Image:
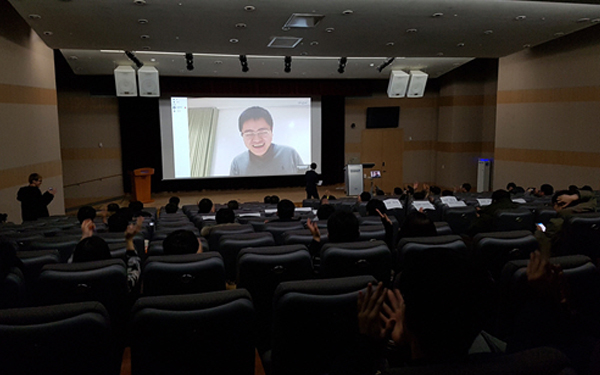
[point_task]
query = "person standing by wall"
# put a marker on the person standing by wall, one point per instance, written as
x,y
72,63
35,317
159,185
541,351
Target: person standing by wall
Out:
x,y
34,204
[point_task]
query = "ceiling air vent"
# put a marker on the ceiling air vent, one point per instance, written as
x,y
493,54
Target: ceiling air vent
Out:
x,y
303,20
284,42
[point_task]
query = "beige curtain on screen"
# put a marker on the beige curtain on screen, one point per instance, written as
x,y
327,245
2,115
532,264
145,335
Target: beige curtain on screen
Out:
x,y
202,130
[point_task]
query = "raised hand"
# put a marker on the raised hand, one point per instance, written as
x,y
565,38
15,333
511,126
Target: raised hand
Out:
x,y
370,322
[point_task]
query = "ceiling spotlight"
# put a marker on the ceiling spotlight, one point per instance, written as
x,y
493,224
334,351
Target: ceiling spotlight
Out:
x,y
189,61
133,58
287,64
249,8
520,18
385,64
342,66
244,62
142,21
35,16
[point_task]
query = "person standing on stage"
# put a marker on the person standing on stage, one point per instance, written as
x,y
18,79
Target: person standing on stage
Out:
x,y
312,178
33,202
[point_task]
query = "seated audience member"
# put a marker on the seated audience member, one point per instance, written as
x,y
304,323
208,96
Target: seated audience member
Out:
x,y
86,212
417,224
119,221
233,204
267,199
435,190
171,208
112,208
225,216
465,188
324,211
433,316
420,195
205,206
342,226
374,205
398,191
586,188
92,248
513,189
546,190
447,193
175,201
378,191
565,203
328,196
274,199
137,208
484,222
285,211
365,196
182,242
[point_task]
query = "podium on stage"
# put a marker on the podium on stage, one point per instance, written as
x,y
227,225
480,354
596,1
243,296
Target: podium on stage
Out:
x,y
354,179
141,179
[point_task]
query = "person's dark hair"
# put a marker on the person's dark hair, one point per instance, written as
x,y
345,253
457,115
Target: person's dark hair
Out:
x,y
136,206
171,208
91,249
435,190
175,201
112,207
267,199
587,188
547,189
419,195
410,190
255,113
233,204
86,212
375,204
365,196
119,221
285,209
398,191
466,186
205,205
324,211
447,193
417,224
225,215
342,226
3,218
179,242
511,185
34,177
500,195
313,165
447,299
274,199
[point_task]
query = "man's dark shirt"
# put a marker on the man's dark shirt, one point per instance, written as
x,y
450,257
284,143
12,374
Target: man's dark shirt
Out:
x,y
33,202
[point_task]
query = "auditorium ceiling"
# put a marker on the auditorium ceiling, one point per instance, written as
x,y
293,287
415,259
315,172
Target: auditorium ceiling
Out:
x,y
374,36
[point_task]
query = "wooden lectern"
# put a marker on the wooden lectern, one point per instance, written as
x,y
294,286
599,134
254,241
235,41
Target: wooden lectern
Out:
x,y
140,184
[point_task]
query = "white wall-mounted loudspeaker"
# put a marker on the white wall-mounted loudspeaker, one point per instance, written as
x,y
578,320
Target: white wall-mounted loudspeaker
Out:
x,y
416,84
125,81
148,81
398,84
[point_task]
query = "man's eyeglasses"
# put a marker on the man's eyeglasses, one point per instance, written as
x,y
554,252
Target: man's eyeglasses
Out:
x,y
260,133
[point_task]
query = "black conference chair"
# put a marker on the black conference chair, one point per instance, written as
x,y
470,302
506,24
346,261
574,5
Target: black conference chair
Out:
x,y
104,281
371,232
581,235
183,274
119,238
165,231
279,228
442,228
356,258
314,322
13,290
516,219
451,242
459,218
495,249
261,270
231,244
209,333
64,244
71,339
303,237
216,233
156,247
34,261
543,215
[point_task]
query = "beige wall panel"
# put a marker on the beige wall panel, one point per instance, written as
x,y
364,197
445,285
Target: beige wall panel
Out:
x,y
88,121
31,134
94,191
453,169
352,157
488,123
419,124
460,124
77,171
551,126
28,64
533,174
418,166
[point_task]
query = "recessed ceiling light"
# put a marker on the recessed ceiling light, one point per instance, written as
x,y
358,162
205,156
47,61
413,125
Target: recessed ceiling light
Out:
x,y
139,2
218,62
584,19
48,33
595,20
390,44
142,21
520,18
176,38
372,64
249,8
460,45
145,36
74,58
435,15
285,28
240,25
233,40
488,32
560,33
526,45
35,16
153,59
440,53
314,43
348,12
304,53
330,29
411,31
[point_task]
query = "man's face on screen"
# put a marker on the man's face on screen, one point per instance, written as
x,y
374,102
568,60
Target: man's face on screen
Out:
x,y
257,136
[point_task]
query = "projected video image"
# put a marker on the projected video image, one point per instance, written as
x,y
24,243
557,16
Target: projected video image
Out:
x,y
219,137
